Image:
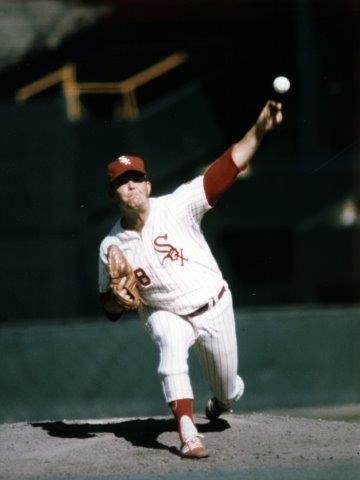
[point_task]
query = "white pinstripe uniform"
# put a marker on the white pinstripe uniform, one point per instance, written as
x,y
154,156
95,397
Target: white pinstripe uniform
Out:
x,y
177,274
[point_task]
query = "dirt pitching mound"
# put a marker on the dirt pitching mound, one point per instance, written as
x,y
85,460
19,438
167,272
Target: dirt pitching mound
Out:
x,y
149,446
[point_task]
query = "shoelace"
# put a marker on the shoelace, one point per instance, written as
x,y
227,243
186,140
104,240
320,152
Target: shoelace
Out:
x,y
193,442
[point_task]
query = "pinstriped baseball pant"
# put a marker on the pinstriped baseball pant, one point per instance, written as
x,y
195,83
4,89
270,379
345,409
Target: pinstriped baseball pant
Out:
x,y
213,334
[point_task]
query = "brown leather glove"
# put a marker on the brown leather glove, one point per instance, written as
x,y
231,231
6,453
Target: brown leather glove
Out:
x,y
122,279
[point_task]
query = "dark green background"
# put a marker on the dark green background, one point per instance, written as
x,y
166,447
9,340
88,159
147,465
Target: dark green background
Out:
x,y
288,357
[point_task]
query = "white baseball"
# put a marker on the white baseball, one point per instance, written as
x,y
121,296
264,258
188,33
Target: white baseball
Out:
x,y
281,84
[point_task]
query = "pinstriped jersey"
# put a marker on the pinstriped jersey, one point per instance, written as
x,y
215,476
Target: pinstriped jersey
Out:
x,y
171,259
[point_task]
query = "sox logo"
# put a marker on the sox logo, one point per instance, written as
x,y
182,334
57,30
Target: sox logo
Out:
x,y
124,160
171,252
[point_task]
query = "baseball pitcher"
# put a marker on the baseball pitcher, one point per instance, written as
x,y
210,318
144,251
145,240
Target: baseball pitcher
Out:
x,y
156,260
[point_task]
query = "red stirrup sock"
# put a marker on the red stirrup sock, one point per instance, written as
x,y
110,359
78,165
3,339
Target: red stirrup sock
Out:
x,y
182,410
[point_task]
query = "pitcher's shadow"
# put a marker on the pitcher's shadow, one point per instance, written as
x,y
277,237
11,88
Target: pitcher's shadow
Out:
x,y
140,433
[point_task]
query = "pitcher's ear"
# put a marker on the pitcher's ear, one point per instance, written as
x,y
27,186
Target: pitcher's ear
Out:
x,y
148,187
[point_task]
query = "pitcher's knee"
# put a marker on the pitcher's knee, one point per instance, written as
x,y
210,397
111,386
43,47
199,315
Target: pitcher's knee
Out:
x,y
240,388
236,394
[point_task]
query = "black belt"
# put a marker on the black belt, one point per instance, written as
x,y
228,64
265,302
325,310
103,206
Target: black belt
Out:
x,y
212,302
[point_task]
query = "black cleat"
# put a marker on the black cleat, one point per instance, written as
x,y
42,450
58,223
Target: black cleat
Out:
x,y
215,408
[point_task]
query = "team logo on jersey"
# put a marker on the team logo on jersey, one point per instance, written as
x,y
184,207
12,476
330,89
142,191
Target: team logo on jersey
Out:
x,y
124,160
171,253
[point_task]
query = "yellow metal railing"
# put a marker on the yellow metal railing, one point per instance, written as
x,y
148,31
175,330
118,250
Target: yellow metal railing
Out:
x,y
72,89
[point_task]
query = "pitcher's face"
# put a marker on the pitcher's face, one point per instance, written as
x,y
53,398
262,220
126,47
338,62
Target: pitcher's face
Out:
x,y
132,191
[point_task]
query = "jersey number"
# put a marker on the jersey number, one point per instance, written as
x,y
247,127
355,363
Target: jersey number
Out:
x,y
142,277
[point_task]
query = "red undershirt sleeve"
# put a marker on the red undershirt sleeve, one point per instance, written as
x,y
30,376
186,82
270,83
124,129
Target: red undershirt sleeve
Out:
x,y
220,175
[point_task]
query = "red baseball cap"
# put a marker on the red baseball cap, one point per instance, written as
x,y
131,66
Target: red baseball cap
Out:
x,y
124,164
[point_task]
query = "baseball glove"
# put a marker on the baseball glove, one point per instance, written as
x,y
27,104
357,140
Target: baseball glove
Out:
x,y
122,279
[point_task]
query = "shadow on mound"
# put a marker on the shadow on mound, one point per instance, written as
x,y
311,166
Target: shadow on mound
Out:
x,y
140,433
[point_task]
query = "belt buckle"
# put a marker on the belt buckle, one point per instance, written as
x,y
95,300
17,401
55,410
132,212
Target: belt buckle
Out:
x,y
211,304
214,300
